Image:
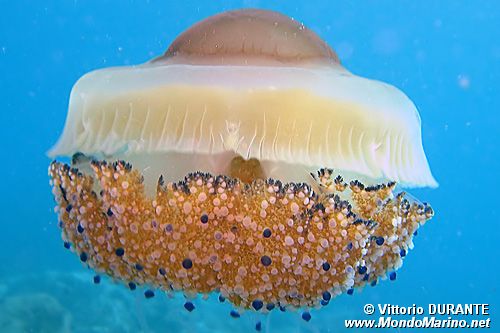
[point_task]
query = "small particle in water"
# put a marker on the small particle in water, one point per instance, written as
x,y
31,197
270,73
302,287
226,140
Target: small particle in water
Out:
x,y
83,257
132,285
265,260
324,303
67,245
119,252
189,306
97,279
402,253
306,316
350,291
187,263
326,266
221,298
362,269
149,293
234,314
392,276
463,81
327,296
258,326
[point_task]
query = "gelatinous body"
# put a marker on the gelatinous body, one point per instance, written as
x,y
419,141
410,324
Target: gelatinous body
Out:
x,y
245,161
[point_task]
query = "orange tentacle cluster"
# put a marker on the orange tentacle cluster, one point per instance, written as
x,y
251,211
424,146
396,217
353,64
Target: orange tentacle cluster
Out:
x,y
257,244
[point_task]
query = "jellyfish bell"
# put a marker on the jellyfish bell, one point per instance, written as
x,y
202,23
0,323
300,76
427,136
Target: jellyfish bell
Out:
x,y
247,83
249,37
219,141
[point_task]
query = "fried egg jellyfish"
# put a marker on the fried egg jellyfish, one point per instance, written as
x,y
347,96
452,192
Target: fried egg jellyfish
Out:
x,y
246,161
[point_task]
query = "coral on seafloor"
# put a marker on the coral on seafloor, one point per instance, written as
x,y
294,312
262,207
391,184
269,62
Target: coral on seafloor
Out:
x,y
37,312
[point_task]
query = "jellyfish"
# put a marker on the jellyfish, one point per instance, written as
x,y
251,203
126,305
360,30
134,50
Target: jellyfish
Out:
x,y
245,161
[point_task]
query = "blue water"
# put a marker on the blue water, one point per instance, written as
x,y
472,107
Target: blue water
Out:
x,y
444,54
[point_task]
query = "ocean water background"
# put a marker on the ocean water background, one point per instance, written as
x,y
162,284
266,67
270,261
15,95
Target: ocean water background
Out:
x,y
444,54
